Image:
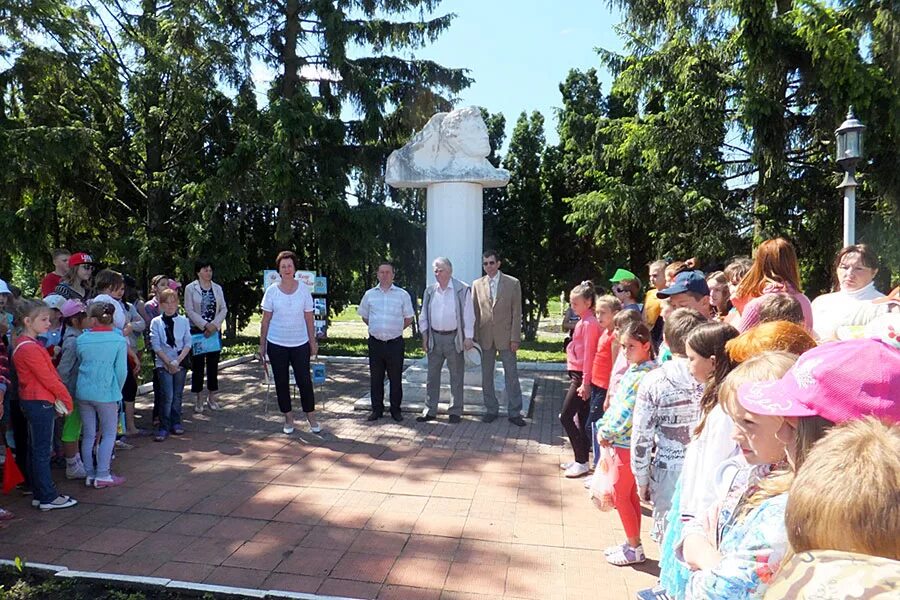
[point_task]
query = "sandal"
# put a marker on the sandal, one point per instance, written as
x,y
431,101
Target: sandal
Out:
x,y
627,556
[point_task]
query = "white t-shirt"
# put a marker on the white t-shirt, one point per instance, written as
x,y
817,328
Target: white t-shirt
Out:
x,y
288,324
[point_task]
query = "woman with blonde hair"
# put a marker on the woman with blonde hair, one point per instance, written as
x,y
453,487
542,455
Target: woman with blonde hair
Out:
x,y
775,269
738,547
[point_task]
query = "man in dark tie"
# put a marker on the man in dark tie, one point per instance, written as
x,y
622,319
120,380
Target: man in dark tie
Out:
x,y
498,329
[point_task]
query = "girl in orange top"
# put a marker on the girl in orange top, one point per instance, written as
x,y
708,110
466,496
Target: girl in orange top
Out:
x,y
607,350
42,393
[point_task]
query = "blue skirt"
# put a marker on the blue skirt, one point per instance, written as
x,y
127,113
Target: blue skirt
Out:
x,y
673,575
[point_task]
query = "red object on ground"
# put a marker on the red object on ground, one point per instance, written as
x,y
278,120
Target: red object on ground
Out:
x,y
12,476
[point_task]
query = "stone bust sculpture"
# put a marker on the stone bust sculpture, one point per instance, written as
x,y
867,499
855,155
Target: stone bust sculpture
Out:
x,y
451,147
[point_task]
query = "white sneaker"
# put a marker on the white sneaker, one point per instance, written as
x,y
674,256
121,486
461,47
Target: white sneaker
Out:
x,y
588,481
577,470
566,465
288,430
75,471
60,502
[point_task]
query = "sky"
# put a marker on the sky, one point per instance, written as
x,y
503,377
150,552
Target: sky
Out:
x,y
519,51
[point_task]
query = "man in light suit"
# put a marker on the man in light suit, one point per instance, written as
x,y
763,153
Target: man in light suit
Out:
x,y
498,329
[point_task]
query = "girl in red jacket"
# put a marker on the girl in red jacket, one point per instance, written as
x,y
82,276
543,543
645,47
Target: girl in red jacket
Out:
x,y
42,394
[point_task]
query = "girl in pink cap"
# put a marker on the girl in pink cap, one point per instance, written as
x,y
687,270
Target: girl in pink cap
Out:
x,y
735,549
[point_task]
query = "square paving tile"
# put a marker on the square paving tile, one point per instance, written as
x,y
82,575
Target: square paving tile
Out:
x,y
236,577
377,542
235,528
314,562
419,572
489,580
208,551
114,541
283,582
329,538
258,555
184,571
372,568
349,589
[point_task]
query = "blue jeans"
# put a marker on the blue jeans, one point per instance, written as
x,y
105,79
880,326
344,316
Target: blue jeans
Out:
x,y
40,416
108,412
598,397
171,389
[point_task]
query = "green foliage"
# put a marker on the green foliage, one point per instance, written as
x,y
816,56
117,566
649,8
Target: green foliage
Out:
x,y
718,132
133,131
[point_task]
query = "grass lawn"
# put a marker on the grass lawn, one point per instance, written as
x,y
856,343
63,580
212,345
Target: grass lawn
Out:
x,y
347,337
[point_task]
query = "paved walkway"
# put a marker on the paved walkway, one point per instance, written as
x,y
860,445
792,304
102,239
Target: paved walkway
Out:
x,y
409,511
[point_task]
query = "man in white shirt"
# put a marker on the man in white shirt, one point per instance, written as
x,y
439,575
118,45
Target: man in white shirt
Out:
x,y
387,310
447,323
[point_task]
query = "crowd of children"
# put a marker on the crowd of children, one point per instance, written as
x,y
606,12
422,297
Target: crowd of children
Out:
x,y
767,450
69,369
731,427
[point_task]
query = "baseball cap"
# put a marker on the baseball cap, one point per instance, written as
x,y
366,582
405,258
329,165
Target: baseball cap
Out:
x,y
686,281
838,381
55,301
4,287
622,274
80,258
72,307
174,285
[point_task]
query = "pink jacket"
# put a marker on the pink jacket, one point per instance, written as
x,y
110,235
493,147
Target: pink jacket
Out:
x,y
580,351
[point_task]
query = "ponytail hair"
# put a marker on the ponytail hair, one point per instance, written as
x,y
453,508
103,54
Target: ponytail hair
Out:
x,y
586,291
103,312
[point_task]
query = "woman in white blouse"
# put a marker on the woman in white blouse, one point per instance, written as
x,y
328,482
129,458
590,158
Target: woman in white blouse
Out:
x,y
287,338
855,269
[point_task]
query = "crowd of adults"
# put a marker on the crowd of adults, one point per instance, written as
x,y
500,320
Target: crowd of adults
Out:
x,y
727,400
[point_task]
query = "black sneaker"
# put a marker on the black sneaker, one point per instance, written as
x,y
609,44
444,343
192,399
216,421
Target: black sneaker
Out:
x,y
455,419
395,415
425,418
517,420
488,418
374,416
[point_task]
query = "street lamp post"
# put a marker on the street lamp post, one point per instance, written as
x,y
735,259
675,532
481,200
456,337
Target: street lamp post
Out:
x,y
849,152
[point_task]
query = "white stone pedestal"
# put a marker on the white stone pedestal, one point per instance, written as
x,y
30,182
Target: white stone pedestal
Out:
x,y
454,228
414,382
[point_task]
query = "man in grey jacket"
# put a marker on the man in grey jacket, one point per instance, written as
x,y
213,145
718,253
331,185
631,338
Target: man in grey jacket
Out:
x,y
447,324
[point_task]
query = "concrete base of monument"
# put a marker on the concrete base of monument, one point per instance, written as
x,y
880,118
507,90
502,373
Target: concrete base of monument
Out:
x,y
414,383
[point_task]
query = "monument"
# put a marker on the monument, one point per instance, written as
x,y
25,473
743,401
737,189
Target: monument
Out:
x,y
449,158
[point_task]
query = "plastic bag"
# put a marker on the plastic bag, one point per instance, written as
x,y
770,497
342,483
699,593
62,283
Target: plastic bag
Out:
x,y
603,483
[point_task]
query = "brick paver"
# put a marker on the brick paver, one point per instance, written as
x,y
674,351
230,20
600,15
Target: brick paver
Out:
x,y
384,510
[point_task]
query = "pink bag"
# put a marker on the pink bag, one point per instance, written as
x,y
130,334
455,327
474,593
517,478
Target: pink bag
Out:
x,y
603,483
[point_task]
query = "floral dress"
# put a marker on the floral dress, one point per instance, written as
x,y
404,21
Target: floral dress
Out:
x,y
752,545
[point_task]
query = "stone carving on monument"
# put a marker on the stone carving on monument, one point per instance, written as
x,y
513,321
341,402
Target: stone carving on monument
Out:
x,y
451,147
449,158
